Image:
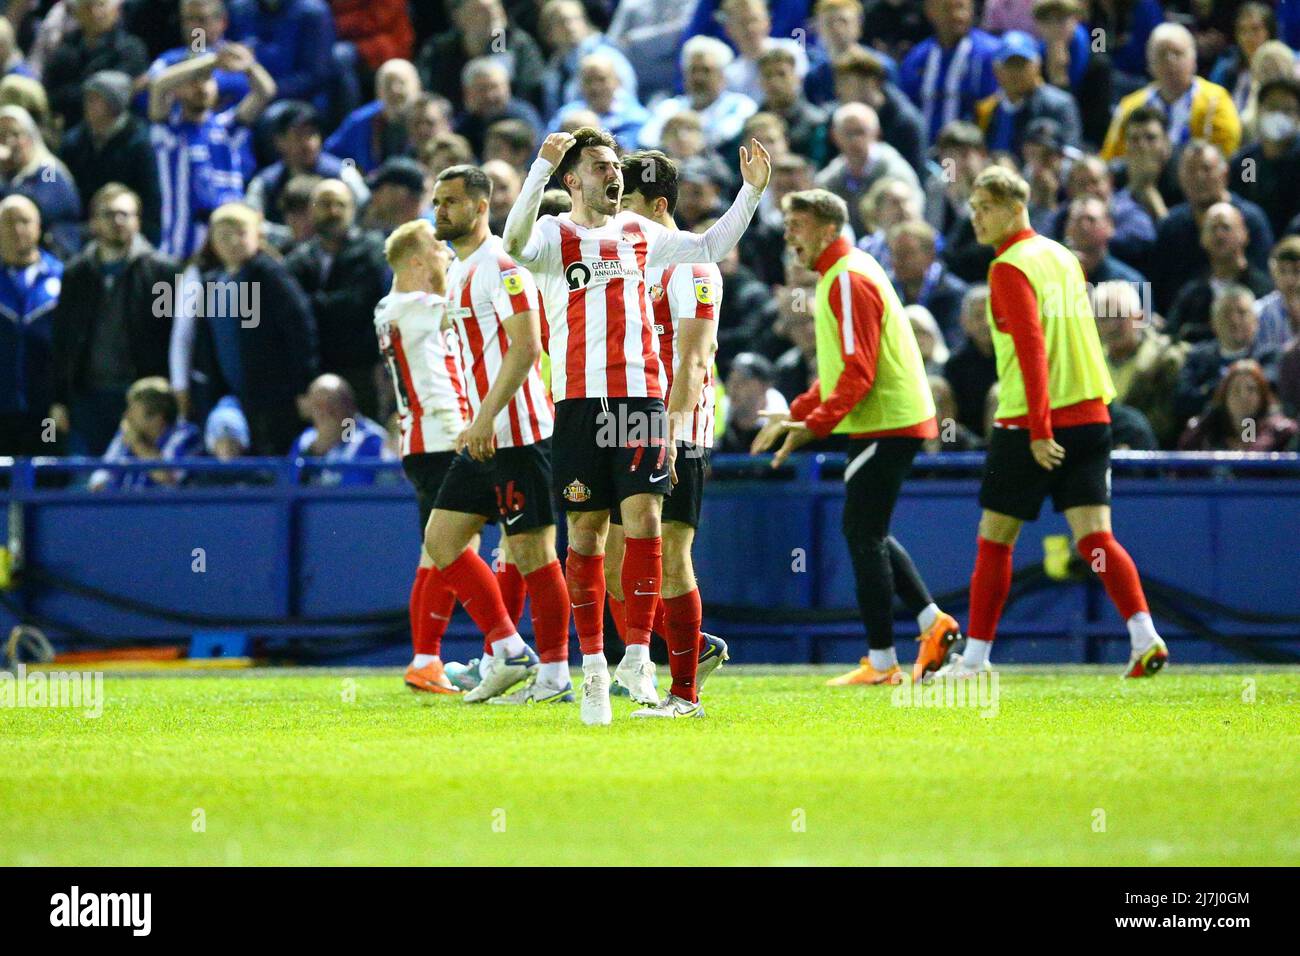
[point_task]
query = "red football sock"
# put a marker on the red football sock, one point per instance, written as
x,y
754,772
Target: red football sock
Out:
x,y
1118,573
990,583
437,604
476,588
682,616
550,607
513,591
585,575
619,613
415,610
659,626
642,577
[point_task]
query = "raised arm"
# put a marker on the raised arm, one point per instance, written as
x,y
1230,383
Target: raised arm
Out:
x,y
178,74
523,241
722,236
237,58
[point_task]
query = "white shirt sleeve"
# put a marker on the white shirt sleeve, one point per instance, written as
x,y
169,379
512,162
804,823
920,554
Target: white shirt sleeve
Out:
x,y
525,239
712,245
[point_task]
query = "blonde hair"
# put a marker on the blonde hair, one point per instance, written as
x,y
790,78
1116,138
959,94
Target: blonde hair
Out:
x,y
1003,184
236,212
406,239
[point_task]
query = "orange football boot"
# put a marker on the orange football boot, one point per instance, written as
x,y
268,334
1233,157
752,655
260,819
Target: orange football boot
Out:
x,y
936,644
864,673
430,678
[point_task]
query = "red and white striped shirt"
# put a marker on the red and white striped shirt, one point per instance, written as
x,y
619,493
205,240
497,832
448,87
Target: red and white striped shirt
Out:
x,y
685,292
424,363
483,290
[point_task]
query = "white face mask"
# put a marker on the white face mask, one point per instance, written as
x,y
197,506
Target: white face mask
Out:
x,y
1275,126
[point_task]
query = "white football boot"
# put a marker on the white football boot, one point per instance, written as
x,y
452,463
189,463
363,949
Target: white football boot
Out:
x,y
956,669
638,679
536,692
498,676
595,697
672,706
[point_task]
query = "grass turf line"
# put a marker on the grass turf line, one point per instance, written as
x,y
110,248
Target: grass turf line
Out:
x,y
286,771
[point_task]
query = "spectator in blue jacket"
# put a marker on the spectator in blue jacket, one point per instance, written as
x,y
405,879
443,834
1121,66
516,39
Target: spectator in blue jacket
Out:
x,y
297,138
30,282
948,73
340,434
373,132
28,168
151,430
603,94
565,30
1023,97
294,40
488,98
203,30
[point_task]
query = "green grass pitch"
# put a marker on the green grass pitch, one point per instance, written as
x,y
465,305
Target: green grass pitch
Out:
x,y
1198,766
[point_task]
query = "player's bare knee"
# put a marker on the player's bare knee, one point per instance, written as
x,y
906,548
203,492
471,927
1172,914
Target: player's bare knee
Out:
x,y
531,550
999,528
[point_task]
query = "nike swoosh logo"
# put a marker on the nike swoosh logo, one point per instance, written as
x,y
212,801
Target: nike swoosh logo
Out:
x,y
440,617
588,604
660,478
514,519
680,653
646,593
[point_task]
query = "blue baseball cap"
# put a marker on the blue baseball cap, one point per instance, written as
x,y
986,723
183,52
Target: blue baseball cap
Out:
x,y
1017,43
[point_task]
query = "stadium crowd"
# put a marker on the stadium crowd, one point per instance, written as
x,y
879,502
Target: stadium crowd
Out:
x,y
196,195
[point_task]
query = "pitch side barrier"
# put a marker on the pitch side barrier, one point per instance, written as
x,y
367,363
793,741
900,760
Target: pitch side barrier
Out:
x,y
254,557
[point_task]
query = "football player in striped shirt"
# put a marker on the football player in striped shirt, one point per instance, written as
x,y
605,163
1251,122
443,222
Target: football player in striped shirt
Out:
x,y
424,364
611,437
503,469
684,300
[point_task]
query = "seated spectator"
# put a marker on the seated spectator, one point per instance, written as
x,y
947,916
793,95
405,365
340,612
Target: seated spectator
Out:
x,y
1274,60
565,30
107,331
151,430
722,111
601,91
763,245
1023,97
973,369
225,433
255,338
112,146
295,212
929,338
1148,173
953,435
700,193
838,25
1267,171
210,20
1255,24
863,77
99,42
683,139
1223,239
28,93
1048,160
962,156
1242,416
1178,253
377,130
399,192
29,290
782,95
1144,364
886,204
11,57
863,159
1129,428
650,32
943,83
429,117
795,368
506,185
294,40
1236,330
1279,310
512,142
198,147
1132,230
921,279
1088,232
488,99
749,392
339,434
480,28
769,129
343,273
297,141
451,149
748,25
1073,65
1208,113
28,169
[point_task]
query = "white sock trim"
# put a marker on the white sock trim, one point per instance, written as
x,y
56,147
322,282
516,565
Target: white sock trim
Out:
x,y
929,614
